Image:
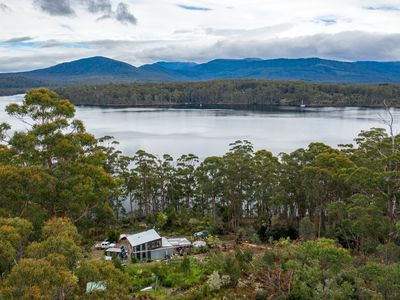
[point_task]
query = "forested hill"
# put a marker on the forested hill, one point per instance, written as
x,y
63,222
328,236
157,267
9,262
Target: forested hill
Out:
x,y
103,70
248,93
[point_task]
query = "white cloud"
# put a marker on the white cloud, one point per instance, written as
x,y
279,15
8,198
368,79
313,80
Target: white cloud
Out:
x,y
341,29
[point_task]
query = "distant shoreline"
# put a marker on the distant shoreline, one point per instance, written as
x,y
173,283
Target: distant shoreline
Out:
x,y
254,107
227,106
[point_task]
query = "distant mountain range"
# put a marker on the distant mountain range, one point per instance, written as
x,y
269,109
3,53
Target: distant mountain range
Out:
x,y
99,70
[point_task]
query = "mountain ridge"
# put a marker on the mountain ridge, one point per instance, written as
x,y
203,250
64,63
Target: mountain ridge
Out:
x,y
102,70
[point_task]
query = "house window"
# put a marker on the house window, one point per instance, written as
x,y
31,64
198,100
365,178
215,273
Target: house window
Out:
x,y
154,244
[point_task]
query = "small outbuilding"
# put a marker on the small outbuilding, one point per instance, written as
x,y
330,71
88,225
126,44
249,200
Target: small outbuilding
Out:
x,y
95,286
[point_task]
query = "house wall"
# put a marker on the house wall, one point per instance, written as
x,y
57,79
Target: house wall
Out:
x,y
143,251
161,253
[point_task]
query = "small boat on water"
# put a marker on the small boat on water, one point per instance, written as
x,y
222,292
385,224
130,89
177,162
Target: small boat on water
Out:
x,y
302,105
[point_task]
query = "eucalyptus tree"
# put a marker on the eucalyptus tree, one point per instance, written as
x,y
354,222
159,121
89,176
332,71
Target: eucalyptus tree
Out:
x,y
238,181
209,183
266,173
145,169
166,182
58,165
185,178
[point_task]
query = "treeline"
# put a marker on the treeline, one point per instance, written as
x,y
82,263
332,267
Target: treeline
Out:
x,y
17,84
244,93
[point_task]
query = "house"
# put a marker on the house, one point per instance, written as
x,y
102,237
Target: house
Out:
x,y
147,245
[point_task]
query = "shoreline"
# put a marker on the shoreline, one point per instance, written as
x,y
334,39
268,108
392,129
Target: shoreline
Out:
x,y
229,106
250,107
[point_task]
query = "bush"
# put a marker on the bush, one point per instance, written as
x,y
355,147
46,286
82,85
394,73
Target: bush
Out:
x,y
243,257
255,239
113,236
240,236
185,264
388,253
233,269
134,260
306,229
277,232
214,282
261,295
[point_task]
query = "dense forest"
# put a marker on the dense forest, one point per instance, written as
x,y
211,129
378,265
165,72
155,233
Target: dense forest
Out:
x,y
326,218
244,93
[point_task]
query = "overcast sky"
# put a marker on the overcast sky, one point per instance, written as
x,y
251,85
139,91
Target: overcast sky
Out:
x,y
40,33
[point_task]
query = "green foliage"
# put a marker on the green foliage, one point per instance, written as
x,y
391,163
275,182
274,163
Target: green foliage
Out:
x,y
306,229
39,279
116,281
56,245
60,227
383,279
113,236
170,276
388,253
233,93
232,268
185,265
7,257
55,167
161,220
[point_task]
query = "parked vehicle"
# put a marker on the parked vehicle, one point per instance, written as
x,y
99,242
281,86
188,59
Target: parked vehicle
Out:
x,y
104,245
201,234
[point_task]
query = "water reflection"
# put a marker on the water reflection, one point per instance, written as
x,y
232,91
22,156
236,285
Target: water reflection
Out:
x,y
208,132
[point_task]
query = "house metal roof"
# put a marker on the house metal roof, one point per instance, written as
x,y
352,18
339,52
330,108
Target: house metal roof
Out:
x,y
116,250
143,237
179,242
166,243
95,286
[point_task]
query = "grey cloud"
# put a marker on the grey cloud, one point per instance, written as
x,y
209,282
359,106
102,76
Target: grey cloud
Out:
x,y
4,8
348,46
68,8
102,44
124,15
56,7
342,46
96,6
18,40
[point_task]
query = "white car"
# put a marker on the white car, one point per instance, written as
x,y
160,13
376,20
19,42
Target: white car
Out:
x,y
104,245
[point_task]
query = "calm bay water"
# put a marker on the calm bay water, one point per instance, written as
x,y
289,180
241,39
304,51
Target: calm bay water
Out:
x,y
207,132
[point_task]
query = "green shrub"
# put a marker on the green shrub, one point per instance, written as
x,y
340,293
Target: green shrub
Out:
x,y
255,239
185,265
232,268
113,236
306,229
261,295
